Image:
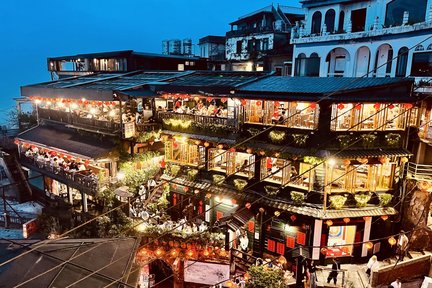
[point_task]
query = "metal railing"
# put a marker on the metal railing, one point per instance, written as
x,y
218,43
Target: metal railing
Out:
x,y
419,171
197,118
70,118
78,179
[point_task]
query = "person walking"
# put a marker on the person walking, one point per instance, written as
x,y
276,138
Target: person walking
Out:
x,y
372,265
396,284
335,270
402,245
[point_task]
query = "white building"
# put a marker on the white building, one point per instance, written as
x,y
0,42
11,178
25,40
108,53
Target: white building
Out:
x,y
343,38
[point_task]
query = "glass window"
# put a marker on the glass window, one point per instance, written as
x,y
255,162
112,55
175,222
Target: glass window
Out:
x,y
239,47
254,111
307,66
218,160
330,20
316,23
422,64
367,117
303,115
341,22
402,61
275,170
238,163
396,8
358,19
184,153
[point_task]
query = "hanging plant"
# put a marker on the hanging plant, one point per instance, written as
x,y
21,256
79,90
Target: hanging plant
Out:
x,y
392,139
344,140
253,131
277,136
149,136
240,184
337,201
300,139
368,140
384,199
174,170
192,174
297,197
311,160
271,190
218,179
362,199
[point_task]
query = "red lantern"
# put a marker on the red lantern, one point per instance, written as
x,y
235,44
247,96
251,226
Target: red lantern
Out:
x,y
293,217
340,106
391,106
224,99
346,220
329,222
369,245
100,103
86,162
377,106
293,104
185,189
408,105
174,186
16,141
78,159
276,104
358,106
384,217
69,157
232,149
313,105
209,99
243,102
346,162
258,103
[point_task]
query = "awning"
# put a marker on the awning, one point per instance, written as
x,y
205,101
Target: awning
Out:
x,y
319,213
68,140
368,153
240,218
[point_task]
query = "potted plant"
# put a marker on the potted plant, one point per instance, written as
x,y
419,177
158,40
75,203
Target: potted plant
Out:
x,y
174,170
344,140
384,199
297,197
271,190
218,179
191,174
368,140
240,184
362,199
392,139
277,136
337,201
300,139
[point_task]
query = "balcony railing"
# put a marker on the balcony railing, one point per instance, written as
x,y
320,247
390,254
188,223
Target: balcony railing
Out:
x,y
197,118
78,179
249,31
89,123
419,171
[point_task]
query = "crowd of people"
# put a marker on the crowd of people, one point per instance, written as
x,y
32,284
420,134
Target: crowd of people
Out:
x,y
212,109
58,163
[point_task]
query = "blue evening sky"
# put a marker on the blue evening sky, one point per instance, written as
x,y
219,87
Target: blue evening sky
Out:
x,y
31,31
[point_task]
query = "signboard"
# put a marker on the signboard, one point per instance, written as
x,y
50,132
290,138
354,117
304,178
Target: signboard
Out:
x,y
206,273
29,228
128,130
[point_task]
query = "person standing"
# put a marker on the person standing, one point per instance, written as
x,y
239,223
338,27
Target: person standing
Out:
x,y
335,270
312,272
244,244
402,245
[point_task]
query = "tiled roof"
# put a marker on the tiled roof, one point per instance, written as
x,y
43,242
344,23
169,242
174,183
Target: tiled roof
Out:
x,y
68,140
311,210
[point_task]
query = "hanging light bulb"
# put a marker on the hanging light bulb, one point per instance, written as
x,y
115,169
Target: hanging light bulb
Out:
x,y
392,241
369,245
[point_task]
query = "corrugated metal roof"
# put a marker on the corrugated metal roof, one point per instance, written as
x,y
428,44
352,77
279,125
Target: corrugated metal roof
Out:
x,y
317,85
68,140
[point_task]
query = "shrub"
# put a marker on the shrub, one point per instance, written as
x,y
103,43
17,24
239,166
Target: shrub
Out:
x,y
384,199
192,174
240,184
362,199
218,179
271,190
174,170
297,197
337,201
277,137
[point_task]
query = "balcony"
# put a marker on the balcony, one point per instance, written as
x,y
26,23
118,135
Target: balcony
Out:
x,y
251,31
200,124
88,184
419,171
311,38
87,123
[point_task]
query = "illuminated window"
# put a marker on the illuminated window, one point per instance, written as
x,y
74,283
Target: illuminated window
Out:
x,y
184,153
275,170
340,241
242,164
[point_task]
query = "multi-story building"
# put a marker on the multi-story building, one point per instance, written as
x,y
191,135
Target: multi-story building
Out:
x,y
213,48
359,38
120,62
259,41
346,184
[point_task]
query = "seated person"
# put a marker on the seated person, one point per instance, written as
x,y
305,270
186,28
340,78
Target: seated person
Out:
x,y
244,166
